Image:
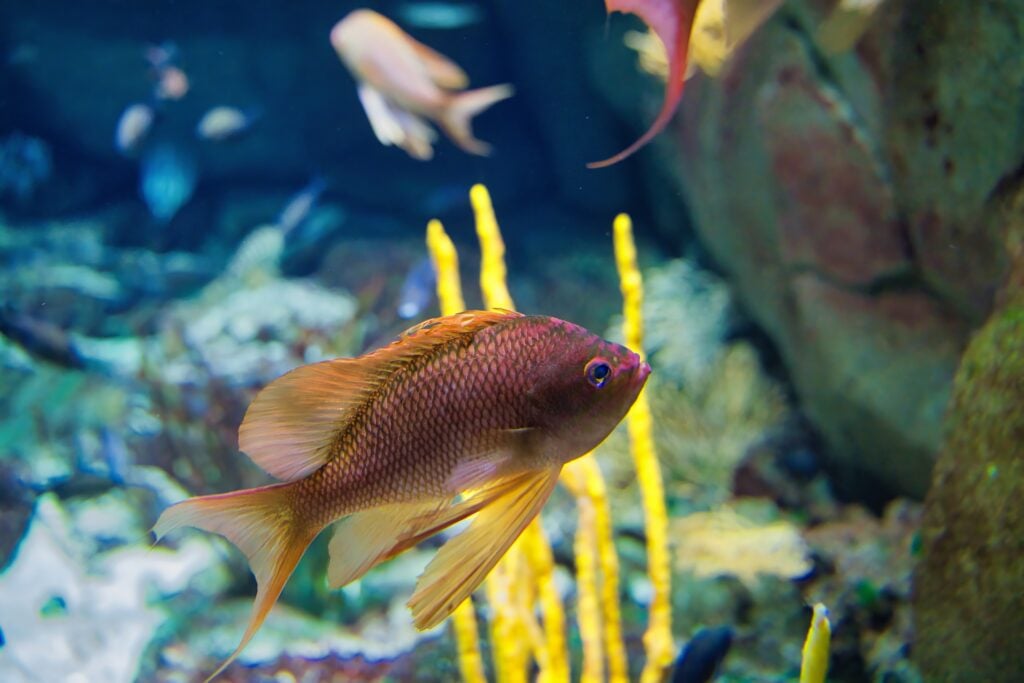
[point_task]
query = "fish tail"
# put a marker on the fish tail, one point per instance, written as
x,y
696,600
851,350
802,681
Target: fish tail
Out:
x,y
457,120
262,524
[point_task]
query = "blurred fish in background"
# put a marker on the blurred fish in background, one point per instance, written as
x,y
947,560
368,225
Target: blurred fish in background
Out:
x,y
167,179
842,29
225,123
403,84
702,655
133,128
170,80
298,208
418,290
26,163
440,15
40,338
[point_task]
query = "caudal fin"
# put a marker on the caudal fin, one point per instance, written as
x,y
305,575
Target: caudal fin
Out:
x,y
260,522
457,121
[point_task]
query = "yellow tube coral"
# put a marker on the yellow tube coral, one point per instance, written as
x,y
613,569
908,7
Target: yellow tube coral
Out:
x,y
618,671
814,664
492,251
552,659
588,607
449,296
446,267
658,638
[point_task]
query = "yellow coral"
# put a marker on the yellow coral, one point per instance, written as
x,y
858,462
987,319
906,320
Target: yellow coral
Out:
x,y
595,554
446,267
658,638
550,654
814,663
525,574
492,251
449,295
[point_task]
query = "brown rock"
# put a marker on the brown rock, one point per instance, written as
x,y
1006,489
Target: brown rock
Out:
x,y
968,586
847,198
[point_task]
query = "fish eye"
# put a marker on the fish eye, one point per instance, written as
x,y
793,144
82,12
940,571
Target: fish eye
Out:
x,y
597,372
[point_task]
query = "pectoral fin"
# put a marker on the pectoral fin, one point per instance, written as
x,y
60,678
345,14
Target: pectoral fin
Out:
x,y
385,125
463,562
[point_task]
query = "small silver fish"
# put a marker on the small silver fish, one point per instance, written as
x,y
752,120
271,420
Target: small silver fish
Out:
x,y
223,123
167,179
298,208
417,290
133,127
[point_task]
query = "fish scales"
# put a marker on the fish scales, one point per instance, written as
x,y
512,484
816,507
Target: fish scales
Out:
x,y
473,395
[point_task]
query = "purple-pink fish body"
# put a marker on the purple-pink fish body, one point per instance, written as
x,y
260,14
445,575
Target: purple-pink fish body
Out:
x,y
472,415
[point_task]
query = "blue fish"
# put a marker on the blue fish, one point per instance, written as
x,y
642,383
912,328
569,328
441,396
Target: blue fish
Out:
x,y
26,163
418,290
702,655
167,179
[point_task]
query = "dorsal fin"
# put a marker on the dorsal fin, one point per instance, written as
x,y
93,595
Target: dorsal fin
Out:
x,y
290,425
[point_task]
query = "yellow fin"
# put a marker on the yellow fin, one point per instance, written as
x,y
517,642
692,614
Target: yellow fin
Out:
x,y
293,422
367,538
463,562
258,522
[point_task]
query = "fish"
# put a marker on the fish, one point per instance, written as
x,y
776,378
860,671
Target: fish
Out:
x,y
466,416
701,657
720,27
403,84
26,164
672,21
440,15
417,289
167,179
298,208
133,127
161,55
223,123
41,338
842,29
171,84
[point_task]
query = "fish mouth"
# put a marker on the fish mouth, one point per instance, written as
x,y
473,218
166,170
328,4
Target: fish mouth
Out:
x,y
644,370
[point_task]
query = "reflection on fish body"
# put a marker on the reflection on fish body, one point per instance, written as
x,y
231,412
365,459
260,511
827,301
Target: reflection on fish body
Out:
x,y
472,415
167,178
403,84
417,290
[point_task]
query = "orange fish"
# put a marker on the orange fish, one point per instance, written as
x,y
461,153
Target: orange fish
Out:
x,y
472,414
403,84
672,21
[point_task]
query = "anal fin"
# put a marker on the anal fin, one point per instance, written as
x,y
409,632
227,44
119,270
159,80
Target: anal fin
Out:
x,y
365,539
503,511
